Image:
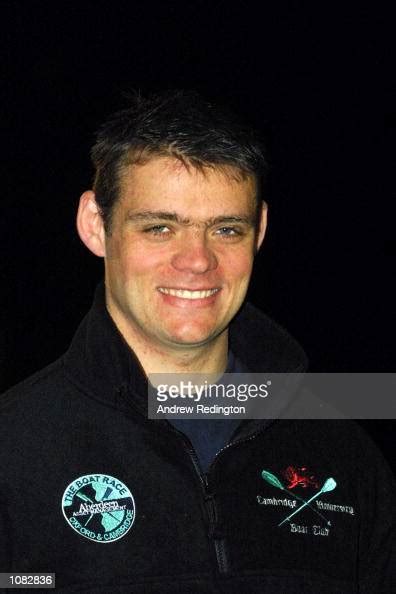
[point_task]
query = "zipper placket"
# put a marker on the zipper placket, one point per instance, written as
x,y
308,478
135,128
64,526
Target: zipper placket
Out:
x,y
209,498
211,510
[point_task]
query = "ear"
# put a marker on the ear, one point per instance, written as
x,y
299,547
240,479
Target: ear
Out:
x,y
262,225
90,224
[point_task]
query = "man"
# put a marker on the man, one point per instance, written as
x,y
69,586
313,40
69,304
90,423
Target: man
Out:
x,y
112,501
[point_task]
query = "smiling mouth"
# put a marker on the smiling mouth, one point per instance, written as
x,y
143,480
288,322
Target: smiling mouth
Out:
x,y
185,294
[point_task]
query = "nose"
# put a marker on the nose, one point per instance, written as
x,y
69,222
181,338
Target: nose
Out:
x,y
194,255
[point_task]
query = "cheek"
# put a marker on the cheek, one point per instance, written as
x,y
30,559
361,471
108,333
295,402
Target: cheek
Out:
x,y
132,261
237,266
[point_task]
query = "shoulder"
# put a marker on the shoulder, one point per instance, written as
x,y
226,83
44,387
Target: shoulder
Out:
x,y
28,407
34,386
350,448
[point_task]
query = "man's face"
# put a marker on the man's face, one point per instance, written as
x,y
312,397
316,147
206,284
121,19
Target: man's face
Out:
x,y
180,253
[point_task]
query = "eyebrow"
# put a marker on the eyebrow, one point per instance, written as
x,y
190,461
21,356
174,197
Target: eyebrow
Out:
x,y
148,216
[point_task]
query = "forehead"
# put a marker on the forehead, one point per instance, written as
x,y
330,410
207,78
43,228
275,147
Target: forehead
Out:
x,y
166,182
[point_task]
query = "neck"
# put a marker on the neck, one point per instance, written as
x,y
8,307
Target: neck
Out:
x,y
208,359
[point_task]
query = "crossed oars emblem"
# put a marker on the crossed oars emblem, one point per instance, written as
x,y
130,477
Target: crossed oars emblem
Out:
x,y
329,485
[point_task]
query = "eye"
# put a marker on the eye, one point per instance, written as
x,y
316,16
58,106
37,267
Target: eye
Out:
x,y
157,230
228,232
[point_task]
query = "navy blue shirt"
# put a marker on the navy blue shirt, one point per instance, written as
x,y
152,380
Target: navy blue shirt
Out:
x,y
209,436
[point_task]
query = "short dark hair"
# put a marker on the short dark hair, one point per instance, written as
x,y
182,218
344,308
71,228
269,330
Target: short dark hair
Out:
x,y
179,124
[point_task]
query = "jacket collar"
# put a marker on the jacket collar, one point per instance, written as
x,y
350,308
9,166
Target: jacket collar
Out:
x,y
101,364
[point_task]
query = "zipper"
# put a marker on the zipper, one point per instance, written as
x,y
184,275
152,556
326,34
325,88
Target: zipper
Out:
x,y
211,511
219,542
210,505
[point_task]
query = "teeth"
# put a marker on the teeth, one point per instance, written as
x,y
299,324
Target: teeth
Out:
x,y
187,294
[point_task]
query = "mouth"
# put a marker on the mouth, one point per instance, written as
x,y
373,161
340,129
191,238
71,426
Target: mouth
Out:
x,y
187,294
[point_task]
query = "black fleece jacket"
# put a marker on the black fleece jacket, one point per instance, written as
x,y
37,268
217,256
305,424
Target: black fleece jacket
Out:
x,y
115,503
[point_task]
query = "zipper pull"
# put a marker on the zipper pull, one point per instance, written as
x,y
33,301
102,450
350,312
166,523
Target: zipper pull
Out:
x,y
212,515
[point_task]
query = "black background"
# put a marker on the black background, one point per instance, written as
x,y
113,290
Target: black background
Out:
x,y
315,79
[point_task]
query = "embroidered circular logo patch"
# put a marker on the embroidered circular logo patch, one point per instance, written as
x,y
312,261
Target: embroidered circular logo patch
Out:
x,y
99,507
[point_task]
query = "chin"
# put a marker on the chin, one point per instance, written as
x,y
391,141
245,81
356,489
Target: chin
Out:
x,y
190,337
